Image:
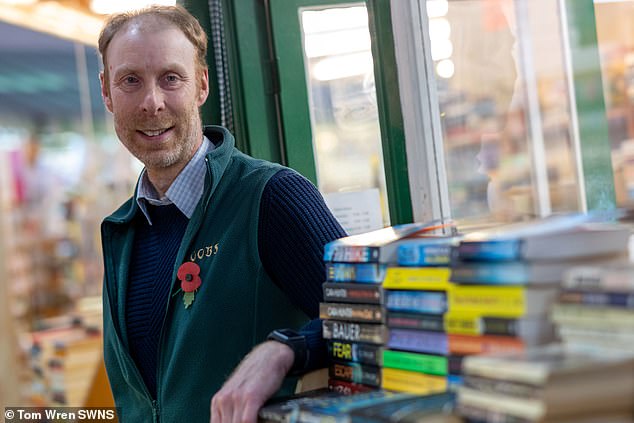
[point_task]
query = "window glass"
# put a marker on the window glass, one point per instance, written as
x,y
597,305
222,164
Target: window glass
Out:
x,y
509,147
344,115
615,33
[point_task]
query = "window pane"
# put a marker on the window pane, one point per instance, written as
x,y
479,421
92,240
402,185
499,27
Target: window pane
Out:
x,y
344,114
504,107
615,33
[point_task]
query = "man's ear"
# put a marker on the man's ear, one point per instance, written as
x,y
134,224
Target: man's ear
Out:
x,y
105,92
203,91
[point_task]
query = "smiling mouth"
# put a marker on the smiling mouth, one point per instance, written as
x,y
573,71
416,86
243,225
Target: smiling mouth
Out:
x,y
154,132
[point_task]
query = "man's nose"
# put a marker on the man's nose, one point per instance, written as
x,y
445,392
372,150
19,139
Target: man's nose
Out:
x,y
153,100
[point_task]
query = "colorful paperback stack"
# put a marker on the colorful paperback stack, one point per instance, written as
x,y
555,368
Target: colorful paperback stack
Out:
x,y
505,280
353,308
548,384
415,298
595,309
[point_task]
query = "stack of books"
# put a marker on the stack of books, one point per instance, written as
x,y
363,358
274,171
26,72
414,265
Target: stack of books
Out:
x,y
506,279
595,309
353,308
415,359
548,384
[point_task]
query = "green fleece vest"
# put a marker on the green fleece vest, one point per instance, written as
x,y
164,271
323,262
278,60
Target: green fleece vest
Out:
x,y
236,306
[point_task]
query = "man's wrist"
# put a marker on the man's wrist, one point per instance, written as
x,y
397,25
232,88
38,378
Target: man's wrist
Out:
x,y
296,342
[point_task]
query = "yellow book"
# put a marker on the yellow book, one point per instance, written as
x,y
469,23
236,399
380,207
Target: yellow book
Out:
x,y
462,323
501,301
413,382
423,278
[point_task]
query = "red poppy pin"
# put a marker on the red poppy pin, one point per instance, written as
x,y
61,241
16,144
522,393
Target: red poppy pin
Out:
x,y
189,275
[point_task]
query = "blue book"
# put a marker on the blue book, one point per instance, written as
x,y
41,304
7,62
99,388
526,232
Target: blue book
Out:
x,y
558,237
431,302
355,272
377,246
418,341
510,272
426,251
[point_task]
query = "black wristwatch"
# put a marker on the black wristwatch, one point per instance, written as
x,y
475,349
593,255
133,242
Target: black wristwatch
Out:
x,y
297,342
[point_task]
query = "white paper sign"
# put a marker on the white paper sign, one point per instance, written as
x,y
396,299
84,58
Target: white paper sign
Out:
x,y
356,211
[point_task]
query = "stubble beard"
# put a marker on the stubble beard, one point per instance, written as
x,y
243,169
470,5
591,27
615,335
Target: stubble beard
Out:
x,y
185,133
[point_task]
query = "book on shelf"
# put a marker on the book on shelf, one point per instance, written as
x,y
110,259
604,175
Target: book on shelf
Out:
x,y
557,237
370,273
416,362
481,414
368,313
356,332
431,302
355,352
430,251
420,321
607,277
355,372
533,330
434,408
502,301
418,341
510,272
348,388
484,344
549,381
417,278
378,246
286,409
600,318
339,409
597,298
413,382
350,292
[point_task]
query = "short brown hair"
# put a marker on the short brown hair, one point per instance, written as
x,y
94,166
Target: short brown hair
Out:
x,y
176,15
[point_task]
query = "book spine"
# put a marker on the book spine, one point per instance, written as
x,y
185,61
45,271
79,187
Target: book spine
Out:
x,y
502,250
352,312
433,322
416,301
417,278
454,364
615,299
424,363
516,389
481,414
355,352
418,341
352,293
356,373
507,273
467,344
497,301
423,255
355,332
351,253
469,324
348,388
355,272
413,382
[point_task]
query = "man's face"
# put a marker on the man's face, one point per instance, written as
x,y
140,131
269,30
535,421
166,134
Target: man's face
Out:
x,y
154,90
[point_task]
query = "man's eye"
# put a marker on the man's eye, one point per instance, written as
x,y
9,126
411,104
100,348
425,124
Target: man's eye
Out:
x,y
131,80
171,78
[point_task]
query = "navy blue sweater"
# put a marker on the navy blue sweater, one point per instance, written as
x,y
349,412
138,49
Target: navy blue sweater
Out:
x,y
294,225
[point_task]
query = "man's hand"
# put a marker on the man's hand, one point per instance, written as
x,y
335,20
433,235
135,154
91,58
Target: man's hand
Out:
x,y
255,380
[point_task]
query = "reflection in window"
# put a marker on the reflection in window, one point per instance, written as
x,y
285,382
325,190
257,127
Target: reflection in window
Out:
x,y
344,117
492,132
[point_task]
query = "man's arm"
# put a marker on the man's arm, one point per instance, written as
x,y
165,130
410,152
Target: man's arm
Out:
x,y
294,220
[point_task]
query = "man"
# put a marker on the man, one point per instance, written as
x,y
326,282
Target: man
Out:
x,y
214,251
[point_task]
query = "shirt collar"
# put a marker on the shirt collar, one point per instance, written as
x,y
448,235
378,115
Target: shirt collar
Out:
x,y
185,191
